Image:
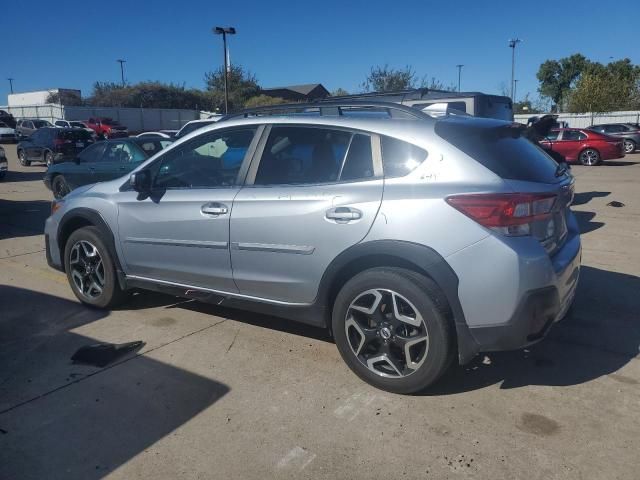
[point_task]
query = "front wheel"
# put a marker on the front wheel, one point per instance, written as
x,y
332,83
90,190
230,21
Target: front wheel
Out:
x,y
629,146
59,187
22,158
392,329
590,157
91,269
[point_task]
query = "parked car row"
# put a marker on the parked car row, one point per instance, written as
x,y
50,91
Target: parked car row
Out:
x,y
628,132
102,161
51,145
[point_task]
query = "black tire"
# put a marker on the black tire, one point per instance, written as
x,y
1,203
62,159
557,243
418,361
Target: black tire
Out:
x,y
48,158
629,146
22,159
111,294
425,296
2,174
590,157
59,187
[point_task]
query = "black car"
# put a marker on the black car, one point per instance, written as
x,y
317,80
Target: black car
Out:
x,y
100,162
7,118
630,134
52,145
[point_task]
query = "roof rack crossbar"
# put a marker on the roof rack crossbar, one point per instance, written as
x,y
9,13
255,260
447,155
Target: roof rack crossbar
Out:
x,y
332,108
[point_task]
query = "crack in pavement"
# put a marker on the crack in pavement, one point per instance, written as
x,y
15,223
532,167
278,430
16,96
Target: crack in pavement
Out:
x,y
109,367
21,254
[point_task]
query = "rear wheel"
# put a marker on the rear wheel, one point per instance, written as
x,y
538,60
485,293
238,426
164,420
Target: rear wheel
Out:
x,y
629,146
391,328
59,187
590,157
91,269
48,158
22,158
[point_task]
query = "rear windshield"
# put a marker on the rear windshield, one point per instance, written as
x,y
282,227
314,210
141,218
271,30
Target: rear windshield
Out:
x,y
74,135
494,147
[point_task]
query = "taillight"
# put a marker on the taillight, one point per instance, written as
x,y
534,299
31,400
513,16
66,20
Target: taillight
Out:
x,y
508,213
58,142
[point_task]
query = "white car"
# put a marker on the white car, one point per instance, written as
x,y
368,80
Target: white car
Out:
x,y
7,134
4,165
75,124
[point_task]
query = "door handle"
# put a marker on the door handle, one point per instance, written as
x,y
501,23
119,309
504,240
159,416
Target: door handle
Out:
x,y
214,208
343,214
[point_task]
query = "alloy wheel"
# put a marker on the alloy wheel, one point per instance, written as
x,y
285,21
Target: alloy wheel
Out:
x,y
87,269
386,333
589,157
48,159
22,158
629,146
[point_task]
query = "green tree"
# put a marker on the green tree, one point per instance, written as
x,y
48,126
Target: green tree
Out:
x,y
72,99
147,95
242,85
605,89
387,79
339,92
558,77
263,101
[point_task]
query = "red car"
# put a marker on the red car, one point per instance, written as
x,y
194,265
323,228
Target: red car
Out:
x,y
584,146
107,128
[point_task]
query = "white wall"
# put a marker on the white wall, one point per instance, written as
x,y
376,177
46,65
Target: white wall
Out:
x,y
582,120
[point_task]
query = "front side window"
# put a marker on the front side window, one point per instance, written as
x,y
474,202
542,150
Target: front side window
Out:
x,y
552,135
400,158
208,161
93,153
310,155
190,127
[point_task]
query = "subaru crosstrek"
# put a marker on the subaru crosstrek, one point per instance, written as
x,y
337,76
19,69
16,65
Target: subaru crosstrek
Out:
x,y
414,240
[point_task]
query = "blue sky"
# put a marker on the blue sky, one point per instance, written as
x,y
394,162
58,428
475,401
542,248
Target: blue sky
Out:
x,y
73,44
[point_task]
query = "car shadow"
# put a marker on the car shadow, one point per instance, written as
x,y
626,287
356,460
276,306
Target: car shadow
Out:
x,y
618,163
599,337
585,221
63,420
585,197
23,218
13,176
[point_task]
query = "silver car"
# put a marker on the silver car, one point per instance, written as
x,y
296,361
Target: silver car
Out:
x,y
415,240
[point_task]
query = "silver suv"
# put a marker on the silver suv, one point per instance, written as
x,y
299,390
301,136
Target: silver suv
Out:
x,y
413,239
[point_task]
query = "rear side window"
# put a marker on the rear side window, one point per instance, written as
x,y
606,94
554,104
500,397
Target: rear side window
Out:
x,y
309,155
573,135
400,158
494,147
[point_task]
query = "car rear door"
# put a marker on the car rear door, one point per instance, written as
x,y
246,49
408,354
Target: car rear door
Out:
x,y
311,193
179,234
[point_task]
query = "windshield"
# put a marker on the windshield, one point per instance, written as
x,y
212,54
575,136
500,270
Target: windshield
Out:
x,y
77,124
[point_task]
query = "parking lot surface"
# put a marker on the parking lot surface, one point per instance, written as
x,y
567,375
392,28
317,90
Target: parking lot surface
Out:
x,y
217,393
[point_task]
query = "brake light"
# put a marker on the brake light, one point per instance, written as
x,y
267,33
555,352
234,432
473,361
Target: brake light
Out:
x,y
508,213
58,142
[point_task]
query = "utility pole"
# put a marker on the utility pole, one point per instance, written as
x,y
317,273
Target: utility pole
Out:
x,y
512,45
10,83
121,62
515,89
459,74
224,31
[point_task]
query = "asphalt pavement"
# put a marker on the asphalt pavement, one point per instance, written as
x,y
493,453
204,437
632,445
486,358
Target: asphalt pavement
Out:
x,y
218,393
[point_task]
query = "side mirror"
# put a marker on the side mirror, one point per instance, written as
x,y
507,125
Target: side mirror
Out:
x,y
140,181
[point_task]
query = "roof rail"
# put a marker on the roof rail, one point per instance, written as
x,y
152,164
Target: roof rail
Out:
x,y
332,108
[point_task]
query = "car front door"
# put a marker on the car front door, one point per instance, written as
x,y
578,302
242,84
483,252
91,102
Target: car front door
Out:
x,y
568,144
81,171
311,193
179,234
35,145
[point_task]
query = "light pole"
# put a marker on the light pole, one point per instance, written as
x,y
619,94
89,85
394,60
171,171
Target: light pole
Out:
x,y
10,83
121,62
459,74
224,31
512,45
515,89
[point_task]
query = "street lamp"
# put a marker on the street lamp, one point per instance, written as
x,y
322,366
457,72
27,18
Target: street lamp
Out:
x,y
10,83
122,62
459,73
515,89
512,45
224,31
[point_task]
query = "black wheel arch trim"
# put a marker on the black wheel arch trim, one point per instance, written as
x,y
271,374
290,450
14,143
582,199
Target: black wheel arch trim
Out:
x,y
94,218
415,256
